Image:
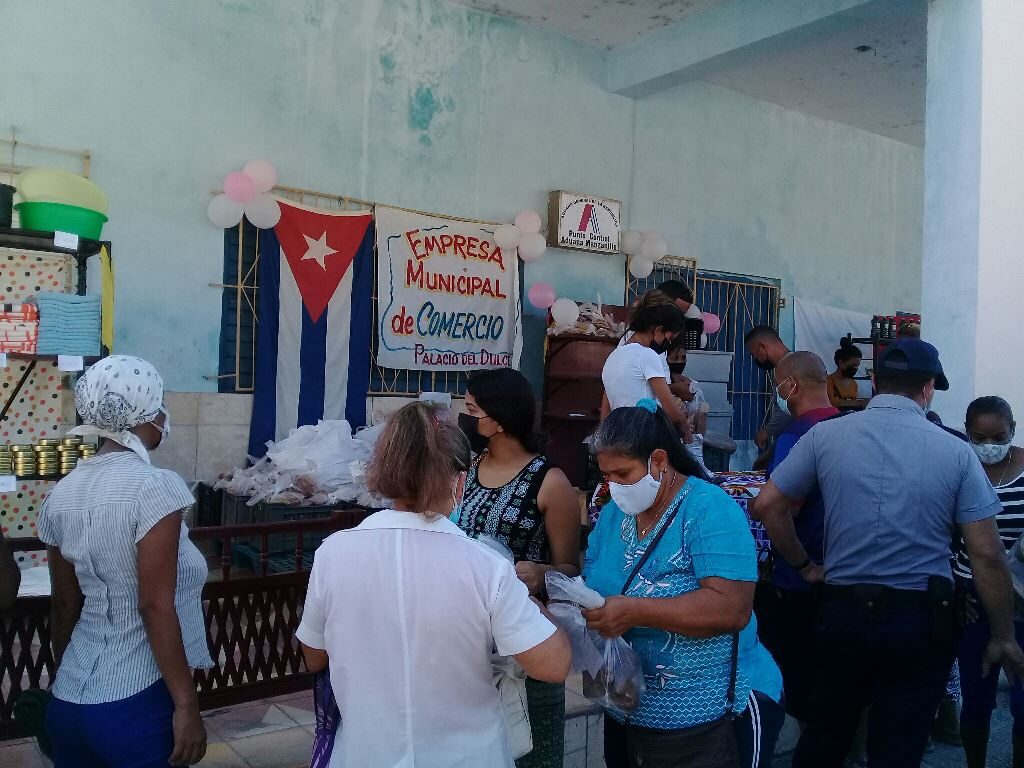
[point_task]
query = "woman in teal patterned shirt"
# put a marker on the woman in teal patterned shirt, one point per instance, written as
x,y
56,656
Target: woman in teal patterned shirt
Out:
x,y
712,691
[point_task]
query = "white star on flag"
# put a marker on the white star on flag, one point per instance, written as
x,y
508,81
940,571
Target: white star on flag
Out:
x,y
318,250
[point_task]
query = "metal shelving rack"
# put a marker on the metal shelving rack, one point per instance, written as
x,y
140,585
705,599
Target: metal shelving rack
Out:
x,y
43,242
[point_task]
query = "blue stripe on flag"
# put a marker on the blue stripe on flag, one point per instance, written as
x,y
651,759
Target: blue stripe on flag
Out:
x,y
361,329
312,364
264,405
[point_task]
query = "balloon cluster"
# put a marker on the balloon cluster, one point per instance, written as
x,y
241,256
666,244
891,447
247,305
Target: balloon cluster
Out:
x,y
247,192
525,235
643,249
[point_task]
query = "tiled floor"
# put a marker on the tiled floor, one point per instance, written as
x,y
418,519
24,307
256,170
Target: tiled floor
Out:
x,y
278,733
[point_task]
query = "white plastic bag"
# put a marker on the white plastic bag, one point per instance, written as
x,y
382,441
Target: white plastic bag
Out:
x,y
612,671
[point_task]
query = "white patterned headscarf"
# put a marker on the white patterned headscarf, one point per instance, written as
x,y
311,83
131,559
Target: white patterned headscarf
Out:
x,y
115,395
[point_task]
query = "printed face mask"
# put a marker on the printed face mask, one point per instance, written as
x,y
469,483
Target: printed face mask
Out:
x,y
638,497
991,453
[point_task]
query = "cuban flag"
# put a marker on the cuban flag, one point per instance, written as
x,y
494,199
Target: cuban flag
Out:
x,y
314,316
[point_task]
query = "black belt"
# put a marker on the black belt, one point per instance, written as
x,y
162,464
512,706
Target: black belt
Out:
x,y
877,596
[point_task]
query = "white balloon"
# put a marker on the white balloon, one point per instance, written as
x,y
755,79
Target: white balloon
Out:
x,y
507,236
223,211
631,242
532,246
703,341
263,211
640,267
654,249
528,221
565,312
262,173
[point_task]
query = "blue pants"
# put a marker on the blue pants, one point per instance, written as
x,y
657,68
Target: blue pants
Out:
x,y
886,653
979,693
135,732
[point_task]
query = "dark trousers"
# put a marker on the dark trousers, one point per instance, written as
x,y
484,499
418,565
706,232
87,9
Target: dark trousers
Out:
x,y
979,693
757,731
703,746
891,656
132,733
785,625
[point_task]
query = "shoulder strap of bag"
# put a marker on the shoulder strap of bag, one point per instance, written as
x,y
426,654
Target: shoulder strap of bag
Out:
x,y
654,543
734,658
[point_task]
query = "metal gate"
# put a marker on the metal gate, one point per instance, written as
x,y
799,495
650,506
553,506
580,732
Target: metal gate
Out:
x,y
239,315
742,302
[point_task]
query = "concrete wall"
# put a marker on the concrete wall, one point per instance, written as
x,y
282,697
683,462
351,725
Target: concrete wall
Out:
x,y
419,103
426,104
747,186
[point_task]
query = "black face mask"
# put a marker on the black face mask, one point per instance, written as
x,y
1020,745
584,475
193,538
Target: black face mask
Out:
x,y
765,365
661,347
470,426
851,372
677,368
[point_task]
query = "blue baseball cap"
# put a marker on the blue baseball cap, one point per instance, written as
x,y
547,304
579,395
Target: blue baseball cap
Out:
x,y
913,356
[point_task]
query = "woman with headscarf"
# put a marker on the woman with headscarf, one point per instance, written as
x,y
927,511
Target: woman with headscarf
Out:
x,y
127,615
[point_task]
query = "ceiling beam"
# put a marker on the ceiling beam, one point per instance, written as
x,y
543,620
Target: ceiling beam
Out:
x,y
726,34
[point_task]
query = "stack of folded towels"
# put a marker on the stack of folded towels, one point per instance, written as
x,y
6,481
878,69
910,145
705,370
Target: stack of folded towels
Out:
x,y
68,324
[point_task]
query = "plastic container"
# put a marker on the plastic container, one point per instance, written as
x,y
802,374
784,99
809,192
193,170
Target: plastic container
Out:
x,y
48,185
6,204
58,217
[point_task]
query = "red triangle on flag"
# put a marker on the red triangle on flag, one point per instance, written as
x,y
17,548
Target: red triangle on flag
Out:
x,y
319,247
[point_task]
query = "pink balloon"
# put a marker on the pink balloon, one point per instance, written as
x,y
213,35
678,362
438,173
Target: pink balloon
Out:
x,y
712,322
541,295
239,187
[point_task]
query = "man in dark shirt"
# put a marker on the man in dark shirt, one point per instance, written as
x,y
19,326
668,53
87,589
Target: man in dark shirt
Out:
x,y
786,617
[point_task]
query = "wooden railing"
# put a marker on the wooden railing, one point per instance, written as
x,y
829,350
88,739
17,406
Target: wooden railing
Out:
x,y
251,616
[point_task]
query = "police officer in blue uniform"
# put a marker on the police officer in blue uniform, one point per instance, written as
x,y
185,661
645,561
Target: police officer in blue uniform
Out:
x,y
895,486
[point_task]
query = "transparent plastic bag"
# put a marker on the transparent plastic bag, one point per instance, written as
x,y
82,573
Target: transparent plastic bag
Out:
x,y
612,671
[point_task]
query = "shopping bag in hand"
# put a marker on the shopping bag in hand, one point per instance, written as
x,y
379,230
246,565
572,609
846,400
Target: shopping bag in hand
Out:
x,y
612,671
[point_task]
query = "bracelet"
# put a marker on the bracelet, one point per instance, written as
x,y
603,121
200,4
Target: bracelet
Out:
x,y
803,566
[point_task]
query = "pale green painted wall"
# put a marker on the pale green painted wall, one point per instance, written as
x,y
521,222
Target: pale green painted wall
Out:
x,y
418,103
747,186
425,104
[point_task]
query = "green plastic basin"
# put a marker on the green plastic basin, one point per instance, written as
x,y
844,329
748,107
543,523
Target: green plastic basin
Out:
x,y
57,217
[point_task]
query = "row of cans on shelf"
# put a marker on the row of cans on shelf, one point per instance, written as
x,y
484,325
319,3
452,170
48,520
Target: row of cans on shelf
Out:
x,y
48,457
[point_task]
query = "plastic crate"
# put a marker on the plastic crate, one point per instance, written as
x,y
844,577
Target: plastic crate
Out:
x,y
716,460
209,506
248,556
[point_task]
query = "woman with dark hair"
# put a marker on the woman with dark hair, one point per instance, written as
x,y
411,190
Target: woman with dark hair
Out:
x,y
990,429
842,387
515,495
405,610
636,369
674,557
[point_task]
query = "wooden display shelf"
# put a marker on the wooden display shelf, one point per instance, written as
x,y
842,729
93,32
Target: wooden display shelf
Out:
x,y
584,337
574,377
572,416
38,478
87,359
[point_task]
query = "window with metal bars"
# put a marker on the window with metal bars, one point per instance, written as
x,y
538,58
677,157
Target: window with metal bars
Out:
x,y
239,320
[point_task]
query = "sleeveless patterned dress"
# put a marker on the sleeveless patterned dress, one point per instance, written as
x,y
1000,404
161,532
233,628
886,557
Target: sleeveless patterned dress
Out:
x,y
511,515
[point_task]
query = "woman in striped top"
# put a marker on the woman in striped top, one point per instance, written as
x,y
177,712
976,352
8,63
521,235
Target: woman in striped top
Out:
x,y
990,428
127,618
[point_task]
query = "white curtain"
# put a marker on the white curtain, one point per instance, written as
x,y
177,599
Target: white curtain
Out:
x,y
818,328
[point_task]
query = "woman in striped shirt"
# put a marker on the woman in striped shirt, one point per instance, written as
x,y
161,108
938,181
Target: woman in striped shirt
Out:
x,y
990,428
127,618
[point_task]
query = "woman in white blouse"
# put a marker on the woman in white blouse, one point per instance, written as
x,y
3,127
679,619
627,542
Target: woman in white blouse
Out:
x,y
407,610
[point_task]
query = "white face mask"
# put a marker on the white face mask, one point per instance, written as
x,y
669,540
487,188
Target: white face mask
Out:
x,y
637,498
991,453
783,405
164,431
